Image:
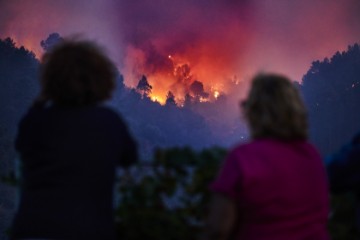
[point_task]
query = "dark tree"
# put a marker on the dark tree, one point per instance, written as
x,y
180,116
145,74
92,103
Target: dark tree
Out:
x,y
18,81
188,100
197,89
144,87
170,99
119,81
331,90
51,41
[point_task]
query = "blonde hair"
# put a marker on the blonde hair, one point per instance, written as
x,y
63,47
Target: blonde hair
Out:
x,y
275,109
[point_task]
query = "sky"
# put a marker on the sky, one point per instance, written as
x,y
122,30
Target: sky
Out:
x,y
174,43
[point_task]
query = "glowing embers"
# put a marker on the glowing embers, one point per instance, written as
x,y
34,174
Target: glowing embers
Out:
x,y
156,98
196,72
183,81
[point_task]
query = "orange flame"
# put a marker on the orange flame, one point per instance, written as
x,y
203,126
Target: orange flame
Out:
x,y
209,64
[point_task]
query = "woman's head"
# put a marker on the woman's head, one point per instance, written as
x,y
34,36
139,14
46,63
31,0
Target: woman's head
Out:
x,y
275,109
76,73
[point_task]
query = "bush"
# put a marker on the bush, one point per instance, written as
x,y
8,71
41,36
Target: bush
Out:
x,y
167,199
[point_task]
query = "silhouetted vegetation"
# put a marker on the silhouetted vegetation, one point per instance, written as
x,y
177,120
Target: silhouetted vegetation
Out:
x,y
18,81
167,197
155,125
51,41
18,78
331,90
170,99
144,87
197,89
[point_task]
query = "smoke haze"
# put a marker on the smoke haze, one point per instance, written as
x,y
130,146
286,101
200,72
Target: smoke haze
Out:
x,y
175,43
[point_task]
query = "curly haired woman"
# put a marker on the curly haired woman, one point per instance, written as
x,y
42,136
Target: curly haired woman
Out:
x,y
69,146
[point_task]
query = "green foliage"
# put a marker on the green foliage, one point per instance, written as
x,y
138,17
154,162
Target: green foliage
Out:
x,y
167,197
169,200
10,179
342,223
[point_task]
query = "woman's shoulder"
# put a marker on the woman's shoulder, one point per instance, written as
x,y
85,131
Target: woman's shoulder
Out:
x,y
264,142
90,112
255,145
273,145
106,110
110,116
244,149
33,115
96,114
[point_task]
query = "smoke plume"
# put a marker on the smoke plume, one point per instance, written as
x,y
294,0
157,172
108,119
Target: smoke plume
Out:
x,y
175,43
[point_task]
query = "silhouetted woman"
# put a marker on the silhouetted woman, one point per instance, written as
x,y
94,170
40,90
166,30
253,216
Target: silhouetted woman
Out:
x,y
69,146
273,187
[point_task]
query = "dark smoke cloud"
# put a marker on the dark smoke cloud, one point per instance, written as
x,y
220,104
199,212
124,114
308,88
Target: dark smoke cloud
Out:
x,y
146,20
197,90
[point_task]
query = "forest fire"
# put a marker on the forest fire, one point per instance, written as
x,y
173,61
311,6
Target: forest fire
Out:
x,y
182,50
200,73
155,98
192,47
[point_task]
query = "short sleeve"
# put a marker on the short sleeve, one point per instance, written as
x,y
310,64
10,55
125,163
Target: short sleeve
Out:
x,y
228,182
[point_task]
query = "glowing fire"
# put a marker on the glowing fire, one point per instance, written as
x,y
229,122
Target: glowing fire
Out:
x,y
203,99
159,38
158,99
178,73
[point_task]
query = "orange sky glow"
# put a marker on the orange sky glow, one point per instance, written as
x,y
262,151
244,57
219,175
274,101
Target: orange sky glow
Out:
x,y
175,43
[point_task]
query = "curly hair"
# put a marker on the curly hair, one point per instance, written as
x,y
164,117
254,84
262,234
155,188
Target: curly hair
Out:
x,y
274,109
76,73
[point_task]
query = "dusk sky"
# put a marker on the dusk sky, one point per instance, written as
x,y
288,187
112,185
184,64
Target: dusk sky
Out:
x,y
220,41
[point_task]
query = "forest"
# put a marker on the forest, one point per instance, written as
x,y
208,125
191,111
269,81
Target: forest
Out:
x,y
178,143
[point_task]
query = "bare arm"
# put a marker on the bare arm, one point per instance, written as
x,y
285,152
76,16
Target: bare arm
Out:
x,y
221,219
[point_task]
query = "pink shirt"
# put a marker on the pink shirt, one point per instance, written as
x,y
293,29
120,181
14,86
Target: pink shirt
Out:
x,y
281,190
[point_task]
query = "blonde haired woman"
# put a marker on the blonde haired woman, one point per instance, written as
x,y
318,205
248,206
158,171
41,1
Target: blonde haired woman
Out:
x,y
275,186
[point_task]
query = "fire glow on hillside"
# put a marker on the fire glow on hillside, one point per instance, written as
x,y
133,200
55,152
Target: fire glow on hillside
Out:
x,y
201,77
185,52
192,47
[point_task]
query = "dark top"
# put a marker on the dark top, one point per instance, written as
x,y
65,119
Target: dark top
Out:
x,y
69,156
